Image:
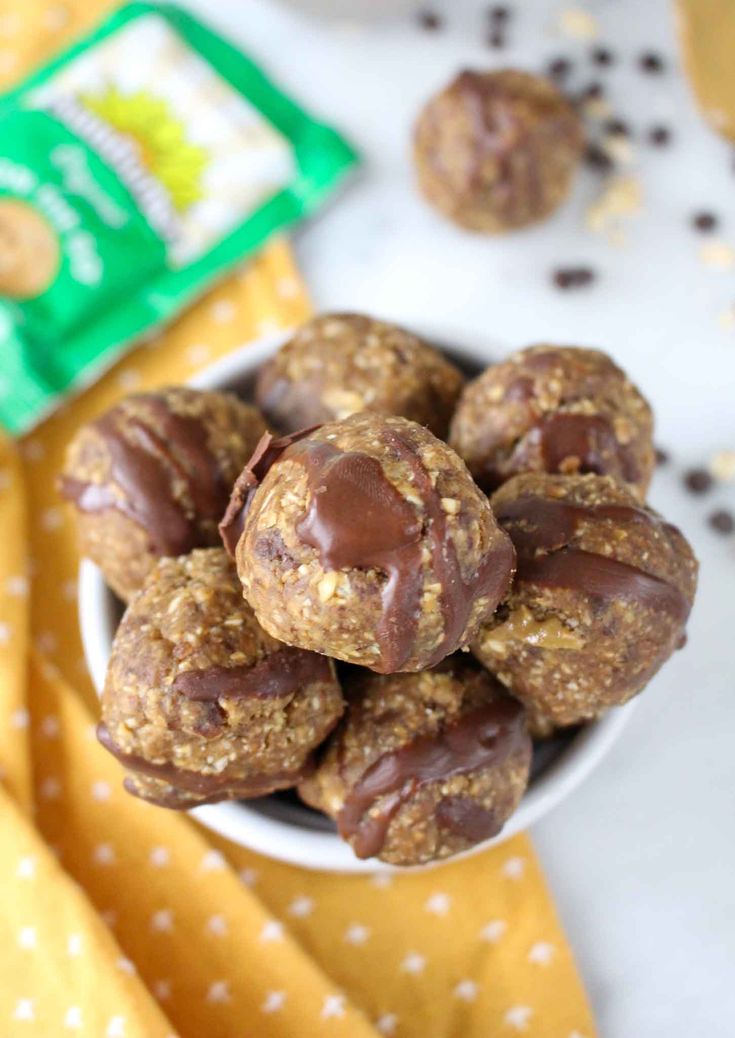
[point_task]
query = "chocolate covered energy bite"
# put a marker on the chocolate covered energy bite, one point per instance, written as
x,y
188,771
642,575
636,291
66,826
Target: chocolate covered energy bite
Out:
x,y
495,151
424,765
340,364
200,704
153,475
367,540
554,409
599,601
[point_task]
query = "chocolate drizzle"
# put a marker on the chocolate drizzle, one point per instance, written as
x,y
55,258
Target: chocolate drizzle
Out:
x,y
148,454
590,439
357,519
458,595
500,133
548,525
282,672
542,523
267,452
559,440
199,788
483,738
603,577
468,819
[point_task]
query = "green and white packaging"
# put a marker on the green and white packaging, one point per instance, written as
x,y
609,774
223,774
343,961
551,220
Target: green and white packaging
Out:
x,y
135,169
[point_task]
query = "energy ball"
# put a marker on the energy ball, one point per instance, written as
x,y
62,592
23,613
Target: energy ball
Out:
x,y
200,704
153,475
599,602
495,151
341,364
554,409
424,765
368,541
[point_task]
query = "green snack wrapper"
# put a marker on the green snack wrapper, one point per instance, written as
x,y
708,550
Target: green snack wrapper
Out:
x,y
135,169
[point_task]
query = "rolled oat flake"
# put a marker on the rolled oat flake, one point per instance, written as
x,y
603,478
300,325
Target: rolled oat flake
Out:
x,y
135,169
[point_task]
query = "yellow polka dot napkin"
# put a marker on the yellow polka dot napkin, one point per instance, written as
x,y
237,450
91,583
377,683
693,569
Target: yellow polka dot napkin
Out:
x,y
120,920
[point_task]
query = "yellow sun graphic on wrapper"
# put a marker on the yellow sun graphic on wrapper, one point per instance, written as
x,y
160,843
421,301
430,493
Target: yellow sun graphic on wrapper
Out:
x,y
159,138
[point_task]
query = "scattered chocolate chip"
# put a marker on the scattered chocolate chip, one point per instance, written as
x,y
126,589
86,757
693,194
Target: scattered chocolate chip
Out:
x,y
662,456
559,69
650,62
430,20
602,56
499,13
722,521
592,92
616,127
704,221
698,481
573,277
598,159
659,136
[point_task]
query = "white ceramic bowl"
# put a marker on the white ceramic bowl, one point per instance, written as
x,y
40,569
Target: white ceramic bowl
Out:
x,y
281,828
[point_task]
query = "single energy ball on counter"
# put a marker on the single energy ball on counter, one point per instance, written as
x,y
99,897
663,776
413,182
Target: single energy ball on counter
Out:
x,y
153,475
200,704
495,151
599,601
423,766
554,409
368,541
341,364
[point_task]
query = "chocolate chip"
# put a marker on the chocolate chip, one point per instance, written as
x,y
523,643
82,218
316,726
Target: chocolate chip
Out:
x,y
651,62
662,456
659,136
598,159
704,221
592,92
573,277
499,13
430,21
722,521
496,39
616,127
698,481
602,56
559,69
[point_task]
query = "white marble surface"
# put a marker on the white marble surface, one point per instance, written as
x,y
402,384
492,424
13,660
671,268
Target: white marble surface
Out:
x,y
642,859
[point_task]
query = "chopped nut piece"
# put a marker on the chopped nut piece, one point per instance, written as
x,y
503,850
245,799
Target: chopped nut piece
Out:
x,y
620,199
327,586
717,254
722,466
578,23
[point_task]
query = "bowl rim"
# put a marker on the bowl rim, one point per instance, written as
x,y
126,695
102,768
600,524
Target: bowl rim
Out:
x,y
285,841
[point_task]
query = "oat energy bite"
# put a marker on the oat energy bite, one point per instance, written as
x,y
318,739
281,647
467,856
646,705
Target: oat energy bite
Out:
x,y
599,601
424,765
153,475
200,704
340,364
367,540
554,409
495,151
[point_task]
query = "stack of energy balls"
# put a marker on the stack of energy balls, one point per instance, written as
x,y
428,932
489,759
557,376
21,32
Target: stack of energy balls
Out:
x,y
301,602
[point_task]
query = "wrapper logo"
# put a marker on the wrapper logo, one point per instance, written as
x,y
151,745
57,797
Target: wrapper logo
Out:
x,y
158,138
124,154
